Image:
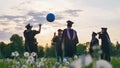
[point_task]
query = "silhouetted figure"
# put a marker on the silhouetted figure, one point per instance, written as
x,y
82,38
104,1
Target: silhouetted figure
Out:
x,y
93,44
30,40
70,40
105,44
58,45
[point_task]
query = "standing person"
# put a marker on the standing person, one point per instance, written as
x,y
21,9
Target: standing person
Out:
x,y
30,40
58,45
105,44
94,43
70,40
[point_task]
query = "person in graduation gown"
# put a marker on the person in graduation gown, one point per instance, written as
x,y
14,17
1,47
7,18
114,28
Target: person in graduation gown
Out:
x,y
105,44
30,40
58,45
70,40
93,44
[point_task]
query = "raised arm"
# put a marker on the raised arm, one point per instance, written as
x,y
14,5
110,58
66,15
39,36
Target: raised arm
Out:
x,y
39,30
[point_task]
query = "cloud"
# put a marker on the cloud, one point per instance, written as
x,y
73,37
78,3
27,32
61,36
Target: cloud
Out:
x,y
73,12
5,35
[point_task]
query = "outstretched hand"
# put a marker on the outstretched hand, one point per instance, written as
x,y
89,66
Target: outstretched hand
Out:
x,y
40,25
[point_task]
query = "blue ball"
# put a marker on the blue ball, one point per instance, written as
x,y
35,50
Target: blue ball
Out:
x,y
50,17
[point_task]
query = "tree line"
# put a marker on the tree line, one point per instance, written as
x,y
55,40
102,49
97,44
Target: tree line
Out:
x,y
17,44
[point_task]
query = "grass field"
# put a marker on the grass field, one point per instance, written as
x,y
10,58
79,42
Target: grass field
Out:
x,y
43,63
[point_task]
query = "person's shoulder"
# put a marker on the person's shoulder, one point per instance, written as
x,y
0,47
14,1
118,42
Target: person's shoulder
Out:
x,y
25,31
65,29
96,39
34,30
74,30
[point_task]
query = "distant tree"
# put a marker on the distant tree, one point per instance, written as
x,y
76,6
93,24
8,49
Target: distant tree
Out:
x,y
16,43
81,49
40,51
2,46
49,51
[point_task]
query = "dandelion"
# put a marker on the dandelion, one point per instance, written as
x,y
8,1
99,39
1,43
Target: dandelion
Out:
x,y
17,64
26,54
100,51
82,61
64,60
40,65
76,64
103,64
43,59
75,57
16,54
57,64
33,54
88,60
95,47
24,66
12,54
31,58
29,61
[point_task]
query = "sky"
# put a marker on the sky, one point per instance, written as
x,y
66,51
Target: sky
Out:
x,y
87,15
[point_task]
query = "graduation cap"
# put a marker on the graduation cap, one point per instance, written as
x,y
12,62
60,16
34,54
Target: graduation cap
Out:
x,y
94,33
70,22
28,26
104,28
60,30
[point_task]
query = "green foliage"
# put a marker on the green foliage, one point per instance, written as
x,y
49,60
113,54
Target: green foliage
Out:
x,y
40,51
81,49
115,62
50,51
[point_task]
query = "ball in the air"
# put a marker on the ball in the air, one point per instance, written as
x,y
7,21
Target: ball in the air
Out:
x,y
50,17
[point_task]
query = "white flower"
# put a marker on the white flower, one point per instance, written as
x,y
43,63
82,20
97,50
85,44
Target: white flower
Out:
x,y
100,51
41,64
67,63
26,54
17,64
88,60
103,64
24,66
43,59
75,57
16,54
83,60
64,60
13,54
33,54
31,58
76,64
95,47
57,64
29,61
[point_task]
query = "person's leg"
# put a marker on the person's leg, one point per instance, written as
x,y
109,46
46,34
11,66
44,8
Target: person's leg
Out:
x,y
107,57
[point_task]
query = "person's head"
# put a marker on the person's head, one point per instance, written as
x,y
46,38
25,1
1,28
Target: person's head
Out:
x,y
60,31
69,23
94,35
104,30
28,26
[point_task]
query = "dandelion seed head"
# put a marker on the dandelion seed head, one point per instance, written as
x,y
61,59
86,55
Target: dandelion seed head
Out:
x,y
26,54
24,66
103,64
33,54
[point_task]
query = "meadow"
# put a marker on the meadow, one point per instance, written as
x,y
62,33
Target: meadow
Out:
x,y
28,62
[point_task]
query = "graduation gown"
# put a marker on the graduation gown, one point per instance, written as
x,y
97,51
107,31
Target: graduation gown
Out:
x,y
94,42
70,40
58,45
30,41
105,46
